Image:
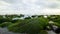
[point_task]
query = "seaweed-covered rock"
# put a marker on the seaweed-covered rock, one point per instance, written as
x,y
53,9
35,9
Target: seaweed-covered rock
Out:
x,y
30,26
5,24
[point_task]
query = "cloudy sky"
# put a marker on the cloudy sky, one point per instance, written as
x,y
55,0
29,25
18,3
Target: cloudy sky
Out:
x,y
30,7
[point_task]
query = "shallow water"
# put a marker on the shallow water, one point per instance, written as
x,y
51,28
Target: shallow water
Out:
x,y
5,31
51,32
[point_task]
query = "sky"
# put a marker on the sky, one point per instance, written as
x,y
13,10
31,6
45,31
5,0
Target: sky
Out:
x,y
30,7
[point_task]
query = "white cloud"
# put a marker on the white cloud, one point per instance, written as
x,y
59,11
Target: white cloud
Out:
x,y
3,5
30,6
